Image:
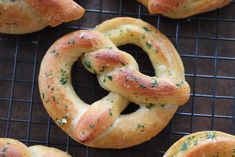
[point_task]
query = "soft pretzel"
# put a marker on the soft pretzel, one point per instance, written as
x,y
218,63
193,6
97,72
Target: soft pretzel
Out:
x,y
25,16
182,8
100,124
13,148
204,144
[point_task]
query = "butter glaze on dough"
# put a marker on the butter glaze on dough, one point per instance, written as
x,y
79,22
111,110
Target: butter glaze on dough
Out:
x,y
203,144
100,124
177,9
26,16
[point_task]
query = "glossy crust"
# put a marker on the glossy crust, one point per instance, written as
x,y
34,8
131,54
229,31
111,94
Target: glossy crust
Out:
x,y
182,8
205,143
100,124
26,16
14,148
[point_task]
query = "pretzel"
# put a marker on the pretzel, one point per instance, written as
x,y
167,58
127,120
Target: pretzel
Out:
x,y
205,143
13,148
25,16
100,124
182,8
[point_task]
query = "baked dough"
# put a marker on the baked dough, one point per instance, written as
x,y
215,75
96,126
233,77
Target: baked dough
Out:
x,y
182,8
13,148
203,144
100,124
26,16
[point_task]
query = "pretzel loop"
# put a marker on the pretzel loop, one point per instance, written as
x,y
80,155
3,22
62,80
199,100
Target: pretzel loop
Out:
x,y
98,124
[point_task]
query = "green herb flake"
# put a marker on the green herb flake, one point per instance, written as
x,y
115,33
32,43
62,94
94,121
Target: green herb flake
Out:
x,y
142,36
87,64
195,142
4,150
184,146
71,42
62,121
149,45
104,80
110,48
146,29
149,106
211,135
179,84
110,112
154,83
43,95
64,77
140,126
142,86
48,74
110,77
53,51
54,99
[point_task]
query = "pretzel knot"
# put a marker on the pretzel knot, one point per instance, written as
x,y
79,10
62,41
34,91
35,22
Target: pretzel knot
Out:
x,y
100,124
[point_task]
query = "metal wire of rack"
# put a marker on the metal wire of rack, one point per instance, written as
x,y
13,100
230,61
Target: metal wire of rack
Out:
x,y
205,42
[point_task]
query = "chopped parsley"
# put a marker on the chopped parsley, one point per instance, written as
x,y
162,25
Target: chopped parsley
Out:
x,y
149,45
64,77
87,64
149,106
140,126
142,86
71,42
142,36
211,135
110,77
184,146
179,84
146,29
63,120
154,83
110,112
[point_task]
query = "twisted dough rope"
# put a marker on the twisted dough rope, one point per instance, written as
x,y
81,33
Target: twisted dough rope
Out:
x,y
182,8
14,148
100,124
203,144
25,16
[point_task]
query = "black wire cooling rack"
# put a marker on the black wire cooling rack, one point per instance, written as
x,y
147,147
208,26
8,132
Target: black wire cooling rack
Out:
x,y
205,42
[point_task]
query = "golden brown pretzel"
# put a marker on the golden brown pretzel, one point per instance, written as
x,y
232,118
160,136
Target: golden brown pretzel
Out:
x,y
100,124
204,144
182,8
25,16
13,148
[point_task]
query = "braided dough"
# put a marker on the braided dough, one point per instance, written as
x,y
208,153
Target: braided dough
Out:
x,y
25,16
100,124
204,144
14,148
182,8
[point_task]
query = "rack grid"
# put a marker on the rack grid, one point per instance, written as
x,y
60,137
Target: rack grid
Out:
x,y
205,42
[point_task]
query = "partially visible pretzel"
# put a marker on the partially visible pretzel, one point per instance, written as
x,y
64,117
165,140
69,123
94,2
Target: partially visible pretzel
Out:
x,y
25,16
203,144
101,125
182,8
13,148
